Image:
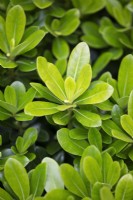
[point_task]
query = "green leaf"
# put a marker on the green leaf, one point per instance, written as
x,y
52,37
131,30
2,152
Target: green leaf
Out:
x,y
92,170
101,63
15,25
83,80
61,118
26,65
4,195
124,188
39,108
70,87
6,62
10,96
127,124
68,23
116,113
53,175
26,98
89,7
21,116
43,3
79,57
61,65
78,133
73,181
60,48
130,104
38,179
108,125
28,139
113,173
125,83
19,89
70,145
94,137
96,190
45,92
17,178
121,136
105,192
8,107
92,35
27,4
87,118
4,114
58,194
29,43
51,77
3,39
97,93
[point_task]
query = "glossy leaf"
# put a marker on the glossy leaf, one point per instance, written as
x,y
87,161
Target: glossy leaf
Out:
x,y
4,195
10,95
70,87
121,136
51,77
43,4
79,57
15,25
78,133
87,118
73,180
38,179
94,137
124,188
89,7
53,175
27,4
92,170
108,125
83,80
127,124
39,108
125,83
17,178
4,114
61,118
97,93
60,48
70,145
3,39
130,104
58,194
29,43
105,192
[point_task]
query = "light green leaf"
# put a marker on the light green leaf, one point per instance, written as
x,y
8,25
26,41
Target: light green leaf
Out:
x,y
61,65
87,118
130,104
53,175
43,3
29,43
113,173
21,116
70,145
95,138
15,25
105,192
108,125
17,178
39,108
116,113
45,92
10,96
92,36
61,118
26,65
101,63
26,4
6,62
8,107
114,84
26,98
125,82
83,80
70,87
4,195
92,170
89,7
38,179
58,194
3,39
97,93
127,124
121,136
124,188
51,77
73,181
79,57
60,48
19,88
78,133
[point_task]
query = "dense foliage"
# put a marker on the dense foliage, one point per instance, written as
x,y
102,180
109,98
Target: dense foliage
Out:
x,y
66,100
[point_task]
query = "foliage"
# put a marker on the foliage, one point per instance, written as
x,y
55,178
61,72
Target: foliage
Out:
x,y
66,108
